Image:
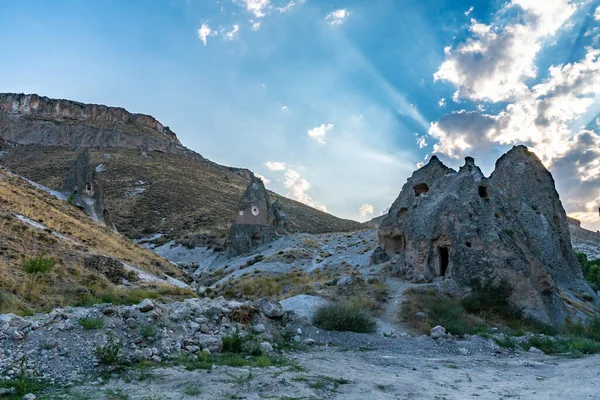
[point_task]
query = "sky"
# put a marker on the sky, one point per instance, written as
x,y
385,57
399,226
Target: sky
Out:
x,y
333,102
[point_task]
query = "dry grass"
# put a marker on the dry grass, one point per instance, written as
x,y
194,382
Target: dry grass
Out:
x,y
69,279
191,201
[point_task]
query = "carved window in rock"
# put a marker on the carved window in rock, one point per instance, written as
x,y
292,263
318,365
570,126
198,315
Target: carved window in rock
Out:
x,y
402,212
255,211
444,254
420,188
483,191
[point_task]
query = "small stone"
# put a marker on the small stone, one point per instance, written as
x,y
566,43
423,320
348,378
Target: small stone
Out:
x,y
299,330
206,351
29,396
271,308
156,359
259,328
437,332
463,351
535,350
146,305
345,280
18,335
309,342
266,347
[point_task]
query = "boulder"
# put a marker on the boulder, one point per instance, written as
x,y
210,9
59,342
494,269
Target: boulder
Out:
x,y
146,305
303,305
437,332
271,308
112,269
467,230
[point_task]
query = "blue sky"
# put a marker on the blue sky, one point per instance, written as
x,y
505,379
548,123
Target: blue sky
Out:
x,y
333,102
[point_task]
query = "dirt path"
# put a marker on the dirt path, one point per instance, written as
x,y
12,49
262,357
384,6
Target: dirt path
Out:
x,y
406,368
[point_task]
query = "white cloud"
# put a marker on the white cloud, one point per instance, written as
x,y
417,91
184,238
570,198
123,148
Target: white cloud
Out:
x,y
289,6
204,32
285,109
320,132
442,102
337,17
256,7
497,60
469,11
233,33
597,14
366,209
297,189
255,25
266,181
275,165
421,141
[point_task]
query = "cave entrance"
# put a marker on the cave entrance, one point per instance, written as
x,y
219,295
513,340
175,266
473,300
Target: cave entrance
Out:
x,y
444,260
483,191
420,188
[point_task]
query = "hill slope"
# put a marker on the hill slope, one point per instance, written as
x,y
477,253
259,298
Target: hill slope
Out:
x,y
151,183
34,223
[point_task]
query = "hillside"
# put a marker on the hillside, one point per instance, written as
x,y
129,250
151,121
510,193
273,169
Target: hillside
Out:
x,y
34,223
584,241
151,183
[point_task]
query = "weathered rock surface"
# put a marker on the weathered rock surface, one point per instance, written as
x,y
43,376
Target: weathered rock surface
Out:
x,y
462,227
112,269
33,119
583,240
83,188
257,220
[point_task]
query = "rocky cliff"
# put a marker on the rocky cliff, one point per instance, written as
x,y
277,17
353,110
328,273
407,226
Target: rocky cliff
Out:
x,y
33,119
462,229
584,241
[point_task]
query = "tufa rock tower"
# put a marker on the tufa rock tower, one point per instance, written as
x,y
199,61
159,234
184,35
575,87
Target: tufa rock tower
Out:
x,y
460,228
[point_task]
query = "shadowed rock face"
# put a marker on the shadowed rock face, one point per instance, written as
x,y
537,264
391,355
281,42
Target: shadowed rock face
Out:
x,y
84,191
458,227
33,119
257,220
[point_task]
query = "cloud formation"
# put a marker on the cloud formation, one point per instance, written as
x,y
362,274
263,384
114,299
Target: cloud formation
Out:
x,y
204,32
366,210
318,133
275,165
298,188
550,116
337,17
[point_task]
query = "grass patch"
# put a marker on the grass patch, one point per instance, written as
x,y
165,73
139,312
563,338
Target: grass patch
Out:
x,y
569,346
90,323
192,389
111,352
343,318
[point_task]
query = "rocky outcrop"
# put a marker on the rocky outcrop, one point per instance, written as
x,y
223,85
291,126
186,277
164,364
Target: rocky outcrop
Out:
x,y
33,119
583,240
112,269
462,228
257,220
82,187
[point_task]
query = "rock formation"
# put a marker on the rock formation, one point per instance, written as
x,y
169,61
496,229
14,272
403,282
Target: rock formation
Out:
x,y
33,119
461,227
257,220
83,189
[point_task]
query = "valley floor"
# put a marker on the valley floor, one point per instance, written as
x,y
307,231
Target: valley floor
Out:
x,y
429,370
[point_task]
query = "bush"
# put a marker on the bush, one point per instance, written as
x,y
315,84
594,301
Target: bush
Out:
x,y
340,317
111,352
590,270
89,323
489,299
37,266
236,343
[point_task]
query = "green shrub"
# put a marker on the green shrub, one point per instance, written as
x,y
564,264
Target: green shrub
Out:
x,y
491,299
111,352
236,343
340,317
590,270
563,345
89,323
37,266
148,330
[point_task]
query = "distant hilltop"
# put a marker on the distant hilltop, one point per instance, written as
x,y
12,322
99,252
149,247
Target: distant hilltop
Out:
x,y
34,119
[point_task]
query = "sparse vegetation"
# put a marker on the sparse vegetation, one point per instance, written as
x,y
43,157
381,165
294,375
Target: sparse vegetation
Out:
x,y
90,323
342,317
35,267
111,352
591,270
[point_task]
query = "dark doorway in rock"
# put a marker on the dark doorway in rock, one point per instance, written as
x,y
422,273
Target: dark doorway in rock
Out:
x,y
444,260
403,211
483,191
256,236
421,188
